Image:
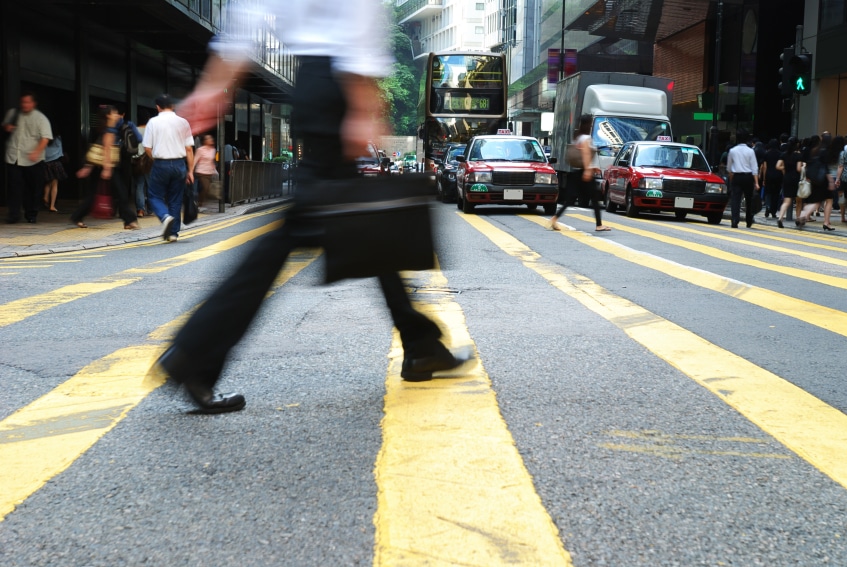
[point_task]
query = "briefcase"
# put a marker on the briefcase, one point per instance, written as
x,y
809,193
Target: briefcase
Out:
x,y
369,226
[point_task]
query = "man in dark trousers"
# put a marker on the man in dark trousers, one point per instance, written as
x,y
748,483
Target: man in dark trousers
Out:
x,y
743,170
29,133
336,111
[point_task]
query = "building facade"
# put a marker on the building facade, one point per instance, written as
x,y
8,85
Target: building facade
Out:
x,y
75,56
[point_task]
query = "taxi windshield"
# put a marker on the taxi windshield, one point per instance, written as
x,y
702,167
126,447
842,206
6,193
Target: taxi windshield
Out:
x,y
676,157
505,149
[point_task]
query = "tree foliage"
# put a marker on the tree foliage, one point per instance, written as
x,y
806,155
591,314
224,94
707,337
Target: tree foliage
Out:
x,y
400,88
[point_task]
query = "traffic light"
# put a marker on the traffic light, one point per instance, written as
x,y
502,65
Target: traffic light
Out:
x,y
801,73
786,86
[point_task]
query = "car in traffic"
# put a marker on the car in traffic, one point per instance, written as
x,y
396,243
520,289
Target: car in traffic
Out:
x,y
369,165
503,169
445,173
664,177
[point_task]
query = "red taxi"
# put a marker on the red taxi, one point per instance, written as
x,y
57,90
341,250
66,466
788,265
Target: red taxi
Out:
x,y
505,170
664,176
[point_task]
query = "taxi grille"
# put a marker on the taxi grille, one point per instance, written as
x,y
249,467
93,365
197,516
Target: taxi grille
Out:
x,y
513,178
688,186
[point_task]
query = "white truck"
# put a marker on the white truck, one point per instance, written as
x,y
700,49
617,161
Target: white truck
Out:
x,y
624,106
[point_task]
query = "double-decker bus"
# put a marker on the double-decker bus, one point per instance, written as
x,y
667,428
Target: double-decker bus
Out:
x,y
463,94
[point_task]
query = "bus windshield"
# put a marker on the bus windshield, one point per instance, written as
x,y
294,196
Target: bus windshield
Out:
x,y
468,84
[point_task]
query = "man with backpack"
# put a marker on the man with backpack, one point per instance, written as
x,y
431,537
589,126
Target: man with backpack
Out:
x,y
130,138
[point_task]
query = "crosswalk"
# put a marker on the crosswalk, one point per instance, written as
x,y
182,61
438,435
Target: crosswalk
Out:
x,y
452,487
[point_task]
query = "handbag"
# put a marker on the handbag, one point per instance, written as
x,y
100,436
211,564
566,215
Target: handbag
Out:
x,y
94,155
102,207
189,206
367,226
804,188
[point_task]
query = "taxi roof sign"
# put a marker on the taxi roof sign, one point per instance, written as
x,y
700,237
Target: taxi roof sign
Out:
x,y
504,131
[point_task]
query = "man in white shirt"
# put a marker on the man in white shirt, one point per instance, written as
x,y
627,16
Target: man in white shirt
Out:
x,y
168,140
743,172
336,111
29,133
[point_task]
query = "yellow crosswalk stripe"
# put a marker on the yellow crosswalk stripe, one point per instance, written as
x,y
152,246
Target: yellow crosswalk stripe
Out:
x,y
18,310
452,487
44,438
814,430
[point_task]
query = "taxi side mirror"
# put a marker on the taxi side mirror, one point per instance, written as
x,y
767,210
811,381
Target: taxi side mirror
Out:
x,y
461,159
552,160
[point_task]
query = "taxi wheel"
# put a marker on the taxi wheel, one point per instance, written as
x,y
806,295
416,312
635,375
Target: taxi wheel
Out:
x,y
467,208
445,196
631,209
680,215
531,206
714,218
610,206
549,209
459,201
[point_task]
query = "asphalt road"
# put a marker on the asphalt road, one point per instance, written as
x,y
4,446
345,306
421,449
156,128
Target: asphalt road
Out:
x,y
667,393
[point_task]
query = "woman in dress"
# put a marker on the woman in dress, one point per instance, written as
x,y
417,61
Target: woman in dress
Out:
x,y
790,163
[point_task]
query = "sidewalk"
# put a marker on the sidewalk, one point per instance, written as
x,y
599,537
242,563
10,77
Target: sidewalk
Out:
x,y
54,232
815,226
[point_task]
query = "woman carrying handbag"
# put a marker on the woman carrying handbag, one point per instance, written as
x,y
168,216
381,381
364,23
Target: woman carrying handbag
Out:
x,y
101,180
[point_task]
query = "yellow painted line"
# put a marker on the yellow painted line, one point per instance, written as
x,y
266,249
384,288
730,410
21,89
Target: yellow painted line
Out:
x,y
18,310
816,277
44,438
452,488
812,429
763,246
821,316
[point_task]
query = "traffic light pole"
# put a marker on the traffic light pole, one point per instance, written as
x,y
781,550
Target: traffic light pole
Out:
x,y
795,107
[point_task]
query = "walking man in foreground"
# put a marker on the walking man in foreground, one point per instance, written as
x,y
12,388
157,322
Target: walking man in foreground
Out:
x,y
168,140
336,112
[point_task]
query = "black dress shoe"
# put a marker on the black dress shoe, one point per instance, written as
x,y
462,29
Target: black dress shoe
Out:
x,y
422,368
180,368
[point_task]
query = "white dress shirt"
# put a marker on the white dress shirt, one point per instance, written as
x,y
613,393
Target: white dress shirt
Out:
x,y
742,159
167,135
352,32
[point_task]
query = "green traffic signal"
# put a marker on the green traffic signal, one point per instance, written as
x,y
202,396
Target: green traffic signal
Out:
x,y
801,72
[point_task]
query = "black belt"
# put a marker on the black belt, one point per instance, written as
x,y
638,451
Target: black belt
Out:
x,y
742,173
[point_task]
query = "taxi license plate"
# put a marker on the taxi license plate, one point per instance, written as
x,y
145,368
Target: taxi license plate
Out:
x,y
512,194
683,202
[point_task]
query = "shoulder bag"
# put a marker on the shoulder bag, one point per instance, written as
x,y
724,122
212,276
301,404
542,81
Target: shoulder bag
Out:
x,y
94,155
189,206
804,188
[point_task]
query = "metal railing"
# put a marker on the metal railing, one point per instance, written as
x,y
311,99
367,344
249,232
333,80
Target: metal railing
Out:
x,y
412,6
254,181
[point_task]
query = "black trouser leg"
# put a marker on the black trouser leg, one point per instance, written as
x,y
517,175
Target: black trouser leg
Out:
x,y
14,194
221,321
418,333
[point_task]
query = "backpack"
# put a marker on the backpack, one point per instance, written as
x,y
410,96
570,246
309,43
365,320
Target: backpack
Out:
x,y
129,141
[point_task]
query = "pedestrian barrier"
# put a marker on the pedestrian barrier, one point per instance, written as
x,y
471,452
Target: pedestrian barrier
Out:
x,y
254,181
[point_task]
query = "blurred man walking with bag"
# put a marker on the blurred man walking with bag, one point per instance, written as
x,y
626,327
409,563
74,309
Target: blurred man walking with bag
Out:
x,y
337,110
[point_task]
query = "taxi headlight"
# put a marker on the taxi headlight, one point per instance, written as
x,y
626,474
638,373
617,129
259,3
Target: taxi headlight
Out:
x,y
480,177
546,179
715,188
650,183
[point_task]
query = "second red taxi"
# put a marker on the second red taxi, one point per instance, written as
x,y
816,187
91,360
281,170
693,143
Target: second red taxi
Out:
x,y
664,176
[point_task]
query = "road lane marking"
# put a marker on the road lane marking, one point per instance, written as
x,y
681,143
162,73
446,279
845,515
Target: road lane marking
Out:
x,y
798,273
763,233
452,488
761,245
20,309
44,438
821,316
812,429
